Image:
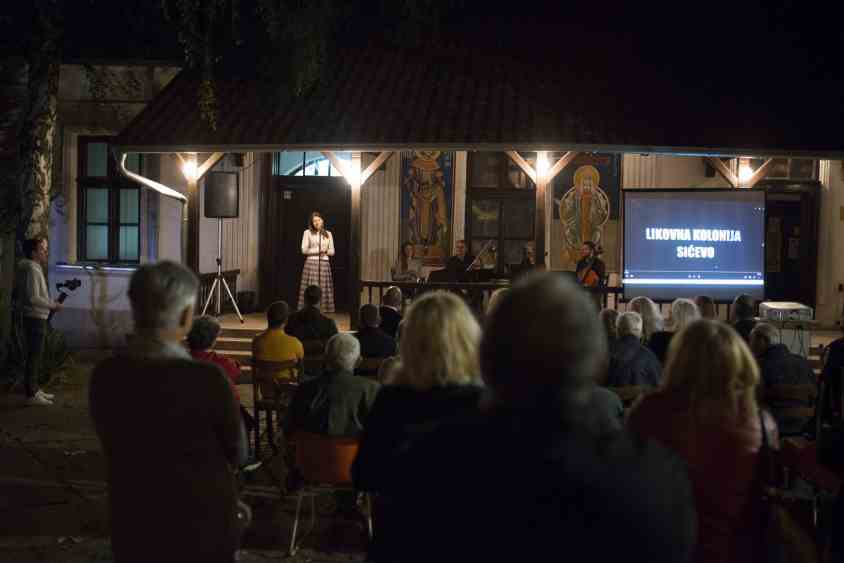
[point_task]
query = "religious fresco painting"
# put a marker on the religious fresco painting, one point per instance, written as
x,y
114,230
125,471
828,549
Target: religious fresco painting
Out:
x,y
586,199
427,201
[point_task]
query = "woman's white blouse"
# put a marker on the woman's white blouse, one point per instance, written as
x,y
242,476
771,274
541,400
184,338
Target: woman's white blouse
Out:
x,y
312,243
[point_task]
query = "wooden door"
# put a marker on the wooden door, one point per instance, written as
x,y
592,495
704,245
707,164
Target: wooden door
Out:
x,y
290,201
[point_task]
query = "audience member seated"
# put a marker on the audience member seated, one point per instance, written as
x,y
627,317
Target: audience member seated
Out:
x,y
171,447
706,307
309,324
654,335
778,366
529,475
274,344
631,363
609,318
201,339
706,411
439,378
831,377
683,313
744,311
390,311
495,298
337,402
406,268
374,342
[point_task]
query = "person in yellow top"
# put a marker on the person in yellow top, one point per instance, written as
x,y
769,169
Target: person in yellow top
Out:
x,y
276,345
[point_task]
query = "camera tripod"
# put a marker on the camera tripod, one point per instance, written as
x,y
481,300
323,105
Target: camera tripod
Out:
x,y
220,281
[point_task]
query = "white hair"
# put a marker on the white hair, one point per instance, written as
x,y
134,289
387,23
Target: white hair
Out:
x,y
342,352
683,313
629,324
651,317
159,294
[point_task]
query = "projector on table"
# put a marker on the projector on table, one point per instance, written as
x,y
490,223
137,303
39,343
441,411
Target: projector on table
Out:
x,y
785,311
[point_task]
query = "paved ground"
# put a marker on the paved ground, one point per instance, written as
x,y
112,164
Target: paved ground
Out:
x,y
52,491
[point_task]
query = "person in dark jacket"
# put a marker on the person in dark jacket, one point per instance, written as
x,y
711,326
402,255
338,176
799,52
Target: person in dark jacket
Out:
x,y
632,363
390,311
170,449
744,311
778,366
374,342
831,376
309,323
337,402
528,475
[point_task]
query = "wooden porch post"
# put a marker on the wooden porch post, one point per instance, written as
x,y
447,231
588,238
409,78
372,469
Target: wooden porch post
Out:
x,y
540,219
193,204
356,241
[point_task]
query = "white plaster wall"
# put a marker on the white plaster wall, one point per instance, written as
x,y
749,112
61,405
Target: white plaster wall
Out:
x,y
380,209
170,210
831,244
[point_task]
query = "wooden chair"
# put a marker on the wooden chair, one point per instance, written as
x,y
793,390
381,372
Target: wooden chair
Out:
x,y
629,393
325,464
806,395
272,396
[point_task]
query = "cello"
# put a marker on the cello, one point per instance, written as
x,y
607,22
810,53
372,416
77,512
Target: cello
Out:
x,y
586,275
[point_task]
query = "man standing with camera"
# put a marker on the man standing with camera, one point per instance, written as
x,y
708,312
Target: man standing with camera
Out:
x,y
36,304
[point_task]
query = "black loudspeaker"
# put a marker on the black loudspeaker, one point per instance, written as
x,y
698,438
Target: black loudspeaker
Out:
x,y
221,195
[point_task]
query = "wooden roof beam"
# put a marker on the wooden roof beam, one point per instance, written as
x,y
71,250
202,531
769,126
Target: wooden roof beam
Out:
x,y
722,169
760,173
560,165
523,164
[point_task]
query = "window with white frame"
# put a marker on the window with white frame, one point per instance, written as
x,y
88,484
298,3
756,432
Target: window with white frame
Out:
x,y
108,204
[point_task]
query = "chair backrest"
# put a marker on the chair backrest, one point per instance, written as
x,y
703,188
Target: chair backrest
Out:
x,y
325,460
805,394
264,383
629,393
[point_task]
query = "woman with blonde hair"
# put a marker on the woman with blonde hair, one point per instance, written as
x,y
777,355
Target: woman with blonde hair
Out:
x,y
438,377
683,313
706,411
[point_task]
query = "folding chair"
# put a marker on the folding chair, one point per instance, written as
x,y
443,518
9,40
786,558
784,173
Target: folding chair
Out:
x,y
325,464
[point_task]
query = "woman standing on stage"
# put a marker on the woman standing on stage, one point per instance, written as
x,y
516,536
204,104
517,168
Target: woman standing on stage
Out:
x,y
317,246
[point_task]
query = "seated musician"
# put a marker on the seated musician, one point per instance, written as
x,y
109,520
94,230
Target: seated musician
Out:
x,y
406,268
459,264
591,269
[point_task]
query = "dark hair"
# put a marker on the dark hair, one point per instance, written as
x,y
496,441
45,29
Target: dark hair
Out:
x,y
30,245
593,248
609,318
313,295
311,221
543,339
369,315
277,314
402,256
203,332
744,307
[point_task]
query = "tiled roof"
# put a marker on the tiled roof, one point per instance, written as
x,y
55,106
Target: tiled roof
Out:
x,y
382,100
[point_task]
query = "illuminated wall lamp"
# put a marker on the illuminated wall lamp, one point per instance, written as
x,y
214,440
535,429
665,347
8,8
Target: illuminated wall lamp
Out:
x,y
190,168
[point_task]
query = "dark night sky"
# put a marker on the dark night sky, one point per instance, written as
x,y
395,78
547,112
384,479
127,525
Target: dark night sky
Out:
x,y
773,53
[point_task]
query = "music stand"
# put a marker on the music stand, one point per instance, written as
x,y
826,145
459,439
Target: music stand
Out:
x,y
219,281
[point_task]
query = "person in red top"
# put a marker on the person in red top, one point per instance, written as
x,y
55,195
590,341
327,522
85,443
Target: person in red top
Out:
x,y
201,339
706,411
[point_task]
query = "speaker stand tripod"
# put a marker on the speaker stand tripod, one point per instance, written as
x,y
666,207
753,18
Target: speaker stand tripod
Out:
x,y
220,281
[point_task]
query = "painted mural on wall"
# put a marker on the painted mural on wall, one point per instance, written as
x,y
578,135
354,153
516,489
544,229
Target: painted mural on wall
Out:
x,y
427,201
586,195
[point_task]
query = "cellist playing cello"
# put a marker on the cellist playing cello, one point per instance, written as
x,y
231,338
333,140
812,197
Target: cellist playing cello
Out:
x,y
591,269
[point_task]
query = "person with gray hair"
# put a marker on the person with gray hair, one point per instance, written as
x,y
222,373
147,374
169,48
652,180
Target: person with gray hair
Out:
x,y
338,402
683,313
180,411
632,363
533,449
778,366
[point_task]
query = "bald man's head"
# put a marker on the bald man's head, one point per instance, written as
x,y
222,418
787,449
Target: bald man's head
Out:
x,y
543,335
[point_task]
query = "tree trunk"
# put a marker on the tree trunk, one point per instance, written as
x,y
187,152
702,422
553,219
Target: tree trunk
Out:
x,y
36,141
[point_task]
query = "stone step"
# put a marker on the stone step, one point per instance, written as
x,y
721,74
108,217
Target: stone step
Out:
x,y
229,343
238,332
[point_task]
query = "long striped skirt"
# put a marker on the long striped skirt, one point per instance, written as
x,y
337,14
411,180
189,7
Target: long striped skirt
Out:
x,y
318,272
